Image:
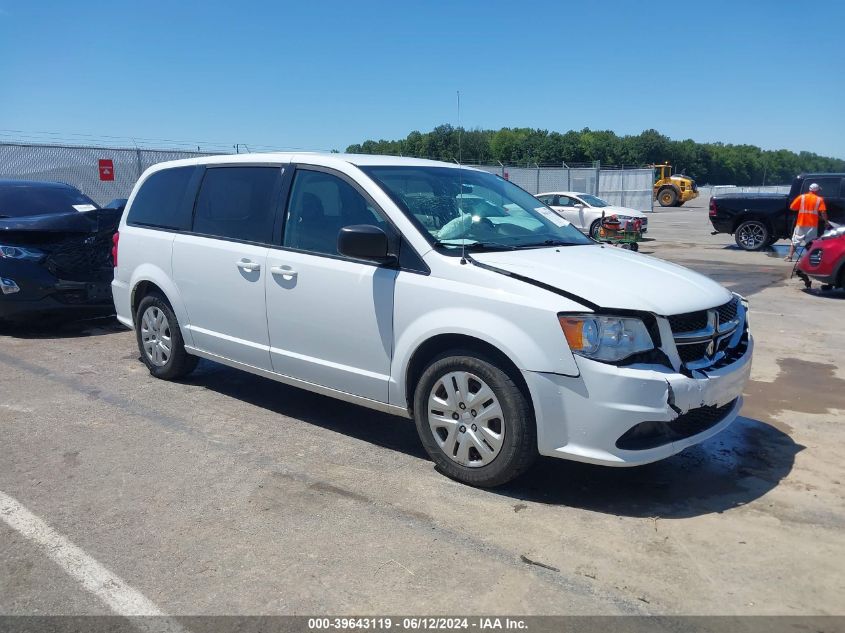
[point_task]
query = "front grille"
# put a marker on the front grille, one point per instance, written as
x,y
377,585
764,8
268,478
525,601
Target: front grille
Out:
x,y
816,257
728,311
696,323
647,435
81,258
688,322
692,352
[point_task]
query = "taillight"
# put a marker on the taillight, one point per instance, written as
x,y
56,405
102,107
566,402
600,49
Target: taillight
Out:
x,y
714,210
114,240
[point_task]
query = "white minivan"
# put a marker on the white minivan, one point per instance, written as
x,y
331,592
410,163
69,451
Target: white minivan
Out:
x,y
431,291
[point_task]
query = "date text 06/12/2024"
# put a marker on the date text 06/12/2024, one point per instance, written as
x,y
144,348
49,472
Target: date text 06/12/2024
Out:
x,y
416,624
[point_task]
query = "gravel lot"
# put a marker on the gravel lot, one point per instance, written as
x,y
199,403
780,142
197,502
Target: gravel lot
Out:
x,y
232,494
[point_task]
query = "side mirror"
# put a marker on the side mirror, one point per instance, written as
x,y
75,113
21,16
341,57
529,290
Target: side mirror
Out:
x,y
579,207
365,241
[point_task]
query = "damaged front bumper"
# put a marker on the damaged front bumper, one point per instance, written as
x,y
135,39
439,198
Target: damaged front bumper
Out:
x,y
626,416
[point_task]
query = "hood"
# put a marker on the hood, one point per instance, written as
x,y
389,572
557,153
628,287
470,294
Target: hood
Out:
x,y
614,210
613,278
68,222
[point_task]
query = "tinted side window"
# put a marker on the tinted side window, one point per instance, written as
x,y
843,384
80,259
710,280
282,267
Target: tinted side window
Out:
x,y
238,203
161,201
545,199
320,205
830,186
565,201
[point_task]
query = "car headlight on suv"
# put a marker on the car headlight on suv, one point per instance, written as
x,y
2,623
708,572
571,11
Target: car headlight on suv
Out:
x,y
605,338
19,252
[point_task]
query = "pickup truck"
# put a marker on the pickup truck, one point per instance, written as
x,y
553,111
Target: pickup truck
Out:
x,y
758,220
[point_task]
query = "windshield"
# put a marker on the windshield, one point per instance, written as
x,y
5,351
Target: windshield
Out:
x,y
17,201
458,208
593,201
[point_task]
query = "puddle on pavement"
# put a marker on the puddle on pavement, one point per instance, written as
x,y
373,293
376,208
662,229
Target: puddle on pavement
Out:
x,y
801,386
776,250
747,279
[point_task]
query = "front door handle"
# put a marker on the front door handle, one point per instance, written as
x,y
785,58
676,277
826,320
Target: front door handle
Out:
x,y
248,265
285,271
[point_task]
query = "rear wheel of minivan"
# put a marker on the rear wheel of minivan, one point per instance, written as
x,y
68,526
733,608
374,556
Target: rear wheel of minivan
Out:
x,y
474,420
160,339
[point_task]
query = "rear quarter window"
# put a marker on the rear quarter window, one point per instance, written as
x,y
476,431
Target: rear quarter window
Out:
x,y
165,200
831,186
238,203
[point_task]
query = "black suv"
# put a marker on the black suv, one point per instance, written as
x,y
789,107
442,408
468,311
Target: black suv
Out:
x,y
758,220
55,251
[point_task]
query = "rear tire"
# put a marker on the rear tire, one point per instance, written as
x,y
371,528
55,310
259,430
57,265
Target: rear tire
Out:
x,y
475,423
160,339
667,197
752,235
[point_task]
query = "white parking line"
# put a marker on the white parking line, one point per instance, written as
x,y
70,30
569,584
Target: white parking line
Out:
x,y
108,587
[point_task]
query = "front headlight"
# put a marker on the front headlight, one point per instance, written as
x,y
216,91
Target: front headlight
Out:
x,y
605,338
18,252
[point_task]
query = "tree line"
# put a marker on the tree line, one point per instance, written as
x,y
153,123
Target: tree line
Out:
x,y
710,163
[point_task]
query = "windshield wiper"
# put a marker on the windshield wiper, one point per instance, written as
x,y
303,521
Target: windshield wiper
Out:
x,y
474,246
546,243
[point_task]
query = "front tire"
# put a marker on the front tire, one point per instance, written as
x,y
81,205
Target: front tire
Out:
x,y
160,339
667,197
594,229
474,421
752,235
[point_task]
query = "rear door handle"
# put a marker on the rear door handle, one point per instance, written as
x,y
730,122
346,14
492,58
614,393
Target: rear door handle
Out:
x,y
248,265
284,271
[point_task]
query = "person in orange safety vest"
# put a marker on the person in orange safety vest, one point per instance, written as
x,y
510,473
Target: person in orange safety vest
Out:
x,y
809,207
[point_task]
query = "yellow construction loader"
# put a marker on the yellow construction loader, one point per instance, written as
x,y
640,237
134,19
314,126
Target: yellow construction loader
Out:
x,y
673,191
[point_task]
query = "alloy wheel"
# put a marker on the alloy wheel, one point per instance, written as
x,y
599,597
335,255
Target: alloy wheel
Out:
x,y
751,235
155,336
466,419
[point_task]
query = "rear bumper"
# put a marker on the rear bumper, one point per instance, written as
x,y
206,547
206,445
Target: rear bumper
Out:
x,y
722,225
584,418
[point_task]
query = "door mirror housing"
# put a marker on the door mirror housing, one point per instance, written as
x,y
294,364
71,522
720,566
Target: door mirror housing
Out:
x,y
367,242
579,206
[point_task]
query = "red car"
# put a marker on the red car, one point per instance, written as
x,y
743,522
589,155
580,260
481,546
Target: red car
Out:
x,y
824,260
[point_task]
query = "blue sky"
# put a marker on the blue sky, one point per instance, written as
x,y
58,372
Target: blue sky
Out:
x,y
324,74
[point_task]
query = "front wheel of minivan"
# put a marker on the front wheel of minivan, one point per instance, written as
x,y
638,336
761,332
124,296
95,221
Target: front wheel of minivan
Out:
x,y
474,420
160,340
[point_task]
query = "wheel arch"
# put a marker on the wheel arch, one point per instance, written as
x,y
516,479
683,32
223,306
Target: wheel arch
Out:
x,y
839,275
439,344
752,216
149,278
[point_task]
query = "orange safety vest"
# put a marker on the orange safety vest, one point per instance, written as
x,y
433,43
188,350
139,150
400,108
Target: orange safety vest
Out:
x,y
808,206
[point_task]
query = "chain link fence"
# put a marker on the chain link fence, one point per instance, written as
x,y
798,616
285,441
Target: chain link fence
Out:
x,y
105,173
101,173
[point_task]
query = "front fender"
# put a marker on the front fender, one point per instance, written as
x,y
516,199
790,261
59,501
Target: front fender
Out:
x,y
530,344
